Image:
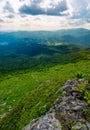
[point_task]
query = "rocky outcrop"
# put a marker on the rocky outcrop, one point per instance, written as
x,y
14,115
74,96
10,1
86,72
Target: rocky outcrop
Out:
x,y
47,122
67,112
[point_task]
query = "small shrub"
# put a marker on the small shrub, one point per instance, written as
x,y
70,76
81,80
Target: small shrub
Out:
x,y
80,75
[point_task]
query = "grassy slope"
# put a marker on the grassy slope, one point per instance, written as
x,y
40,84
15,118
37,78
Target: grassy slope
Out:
x,y
31,102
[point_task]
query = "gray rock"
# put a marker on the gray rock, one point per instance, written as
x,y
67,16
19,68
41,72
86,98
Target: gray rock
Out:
x,y
81,126
76,108
69,108
47,122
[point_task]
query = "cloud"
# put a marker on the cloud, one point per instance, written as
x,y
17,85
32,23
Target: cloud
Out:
x,y
10,16
33,9
77,22
88,20
1,20
36,7
21,0
80,8
80,12
23,15
8,7
44,14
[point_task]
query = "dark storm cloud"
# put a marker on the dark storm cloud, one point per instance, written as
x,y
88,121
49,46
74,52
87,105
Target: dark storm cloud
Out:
x,y
58,9
35,9
8,7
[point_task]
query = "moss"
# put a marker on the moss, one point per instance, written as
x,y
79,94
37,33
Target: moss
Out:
x,y
86,114
66,121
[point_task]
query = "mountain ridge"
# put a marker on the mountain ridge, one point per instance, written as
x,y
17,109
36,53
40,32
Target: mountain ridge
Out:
x,y
67,112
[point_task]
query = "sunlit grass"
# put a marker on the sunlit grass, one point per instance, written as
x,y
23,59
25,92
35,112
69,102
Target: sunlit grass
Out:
x,y
28,92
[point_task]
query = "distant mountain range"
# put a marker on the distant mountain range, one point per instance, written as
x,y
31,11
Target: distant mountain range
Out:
x,y
28,50
78,36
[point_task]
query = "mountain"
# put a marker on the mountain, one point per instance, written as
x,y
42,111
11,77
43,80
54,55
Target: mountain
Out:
x,y
34,67
74,36
24,50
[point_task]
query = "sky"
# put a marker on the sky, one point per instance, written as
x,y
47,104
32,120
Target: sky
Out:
x,y
44,14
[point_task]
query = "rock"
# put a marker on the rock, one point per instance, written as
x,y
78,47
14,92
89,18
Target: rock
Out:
x,y
47,122
81,125
66,110
76,108
81,80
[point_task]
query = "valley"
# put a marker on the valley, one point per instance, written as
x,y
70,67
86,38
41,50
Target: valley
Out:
x,y
33,66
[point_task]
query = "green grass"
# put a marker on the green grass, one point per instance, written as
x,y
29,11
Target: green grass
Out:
x,y
84,93
84,90
35,92
14,88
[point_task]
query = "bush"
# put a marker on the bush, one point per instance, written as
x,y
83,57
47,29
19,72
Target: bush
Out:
x,y
80,75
